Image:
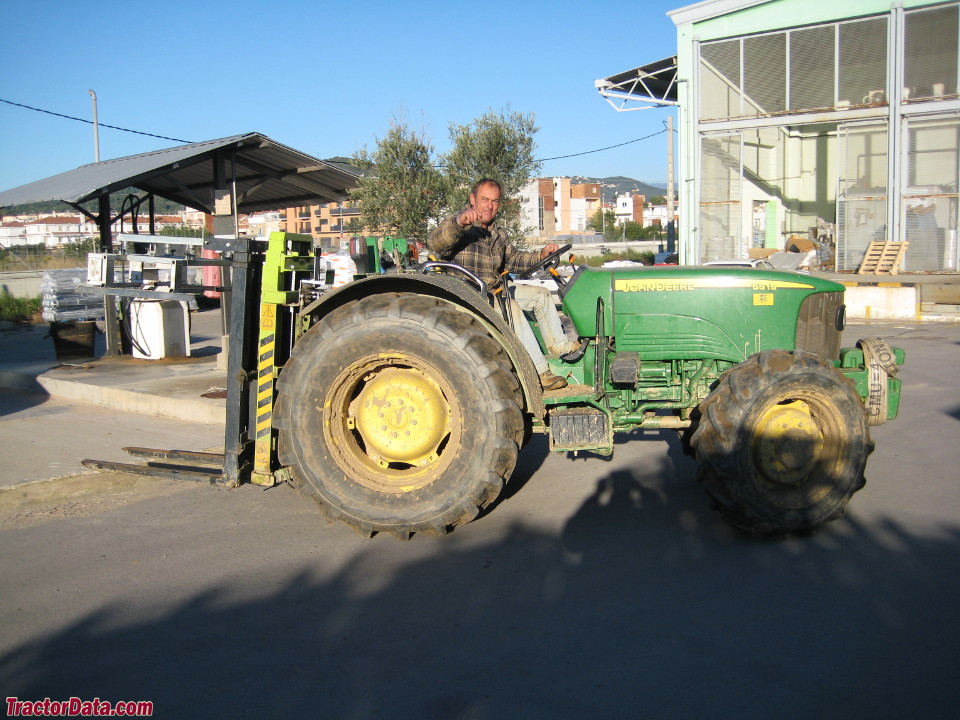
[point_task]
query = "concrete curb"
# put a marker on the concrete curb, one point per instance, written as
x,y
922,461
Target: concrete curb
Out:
x,y
115,398
887,300
882,301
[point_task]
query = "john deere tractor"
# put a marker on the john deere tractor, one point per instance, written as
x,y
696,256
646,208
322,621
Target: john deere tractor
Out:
x,y
400,400
407,396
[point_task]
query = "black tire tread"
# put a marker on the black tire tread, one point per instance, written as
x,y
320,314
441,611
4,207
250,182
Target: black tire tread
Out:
x,y
490,365
715,437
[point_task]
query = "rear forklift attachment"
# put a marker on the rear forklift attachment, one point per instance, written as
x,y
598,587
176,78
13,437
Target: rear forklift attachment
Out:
x,y
261,304
198,466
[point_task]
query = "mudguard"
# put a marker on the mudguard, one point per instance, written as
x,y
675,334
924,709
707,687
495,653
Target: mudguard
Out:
x,y
457,293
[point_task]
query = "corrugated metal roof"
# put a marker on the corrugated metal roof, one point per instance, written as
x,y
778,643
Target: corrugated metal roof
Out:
x,y
268,176
654,82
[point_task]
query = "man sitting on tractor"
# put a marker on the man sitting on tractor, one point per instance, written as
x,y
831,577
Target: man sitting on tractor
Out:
x,y
472,240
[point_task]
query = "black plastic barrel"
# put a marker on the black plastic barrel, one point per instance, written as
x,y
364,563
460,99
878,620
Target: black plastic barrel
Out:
x,y
73,340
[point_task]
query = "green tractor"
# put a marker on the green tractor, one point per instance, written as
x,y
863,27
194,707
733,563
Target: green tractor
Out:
x,y
404,398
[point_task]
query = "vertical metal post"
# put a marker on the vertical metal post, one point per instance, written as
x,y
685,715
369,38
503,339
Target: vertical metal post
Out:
x,y
671,231
897,148
103,223
96,128
243,316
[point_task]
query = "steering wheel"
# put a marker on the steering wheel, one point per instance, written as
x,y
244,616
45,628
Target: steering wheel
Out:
x,y
544,262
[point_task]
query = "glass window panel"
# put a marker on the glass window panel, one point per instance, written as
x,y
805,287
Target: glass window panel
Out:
x,y
930,200
862,202
863,62
720,173
764,73
812,81
930,53
720,80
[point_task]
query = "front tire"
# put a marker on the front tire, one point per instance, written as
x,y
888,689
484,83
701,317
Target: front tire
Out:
x,y
782,443
399,413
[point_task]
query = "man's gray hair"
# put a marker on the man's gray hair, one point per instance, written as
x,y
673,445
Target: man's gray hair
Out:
x,y
486,181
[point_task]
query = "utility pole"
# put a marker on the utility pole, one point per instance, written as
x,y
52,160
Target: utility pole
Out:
x,y
603,216
96,128
671,230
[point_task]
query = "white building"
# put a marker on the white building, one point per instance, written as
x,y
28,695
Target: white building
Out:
x,y
552,207
57,230
49,231
629,208
261,224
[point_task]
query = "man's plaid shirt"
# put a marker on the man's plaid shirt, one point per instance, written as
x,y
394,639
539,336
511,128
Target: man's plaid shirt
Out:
x,y
485,252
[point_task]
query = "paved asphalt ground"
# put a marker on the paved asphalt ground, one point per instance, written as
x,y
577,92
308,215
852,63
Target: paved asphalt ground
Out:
x,y
594,589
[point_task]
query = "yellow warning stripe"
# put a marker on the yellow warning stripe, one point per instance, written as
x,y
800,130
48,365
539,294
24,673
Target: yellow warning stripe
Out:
x,y
671,285
265,386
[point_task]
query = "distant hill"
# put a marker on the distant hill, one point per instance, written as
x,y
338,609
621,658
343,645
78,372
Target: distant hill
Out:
x,y
620,184
611,187
161,207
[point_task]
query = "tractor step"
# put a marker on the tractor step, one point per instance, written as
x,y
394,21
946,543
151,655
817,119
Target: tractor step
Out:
x,y
580,428
552,397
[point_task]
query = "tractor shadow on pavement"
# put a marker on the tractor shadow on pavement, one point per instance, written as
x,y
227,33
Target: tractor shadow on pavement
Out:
x,y
668,617
537,450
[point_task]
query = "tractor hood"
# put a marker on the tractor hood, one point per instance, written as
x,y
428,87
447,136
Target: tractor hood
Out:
x,y
697,312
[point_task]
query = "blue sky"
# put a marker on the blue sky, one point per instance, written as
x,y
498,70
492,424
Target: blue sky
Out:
x,y
326,78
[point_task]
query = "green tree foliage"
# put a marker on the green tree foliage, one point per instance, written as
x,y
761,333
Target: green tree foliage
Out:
x,y
636,231
181,231
500,145
401,191
597,222
604,221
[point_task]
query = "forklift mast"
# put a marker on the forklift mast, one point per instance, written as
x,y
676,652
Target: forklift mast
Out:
x,y
275,269
260,301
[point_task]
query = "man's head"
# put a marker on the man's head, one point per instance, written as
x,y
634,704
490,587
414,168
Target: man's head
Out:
x,y
485,199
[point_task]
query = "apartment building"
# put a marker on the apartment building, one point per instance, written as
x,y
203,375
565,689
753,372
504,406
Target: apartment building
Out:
x,y
656,216
59,229
329,223
552,207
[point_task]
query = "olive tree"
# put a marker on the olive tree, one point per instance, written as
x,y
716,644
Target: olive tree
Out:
x,y
404,190
500,145
400,192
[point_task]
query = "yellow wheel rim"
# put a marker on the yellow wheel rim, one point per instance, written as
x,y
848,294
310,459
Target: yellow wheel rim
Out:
x,y
392,422
787,443
402,416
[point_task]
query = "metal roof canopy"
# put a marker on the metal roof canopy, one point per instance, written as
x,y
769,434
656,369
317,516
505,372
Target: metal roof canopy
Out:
x,y
652,85
260,173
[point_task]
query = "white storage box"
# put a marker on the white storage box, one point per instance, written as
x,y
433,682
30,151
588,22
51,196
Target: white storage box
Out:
x,y
159,329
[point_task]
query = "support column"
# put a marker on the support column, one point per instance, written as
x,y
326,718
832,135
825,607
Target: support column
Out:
x,y
223,224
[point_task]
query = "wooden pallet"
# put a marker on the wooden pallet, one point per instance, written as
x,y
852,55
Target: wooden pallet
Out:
x,y
883,258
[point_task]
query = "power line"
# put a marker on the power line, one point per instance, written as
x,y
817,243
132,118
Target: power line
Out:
x,y
90,122
609,147
163,137
588,152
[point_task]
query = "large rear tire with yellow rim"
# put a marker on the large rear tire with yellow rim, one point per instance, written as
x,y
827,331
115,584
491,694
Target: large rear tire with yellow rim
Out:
x,y
399,413
782,443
